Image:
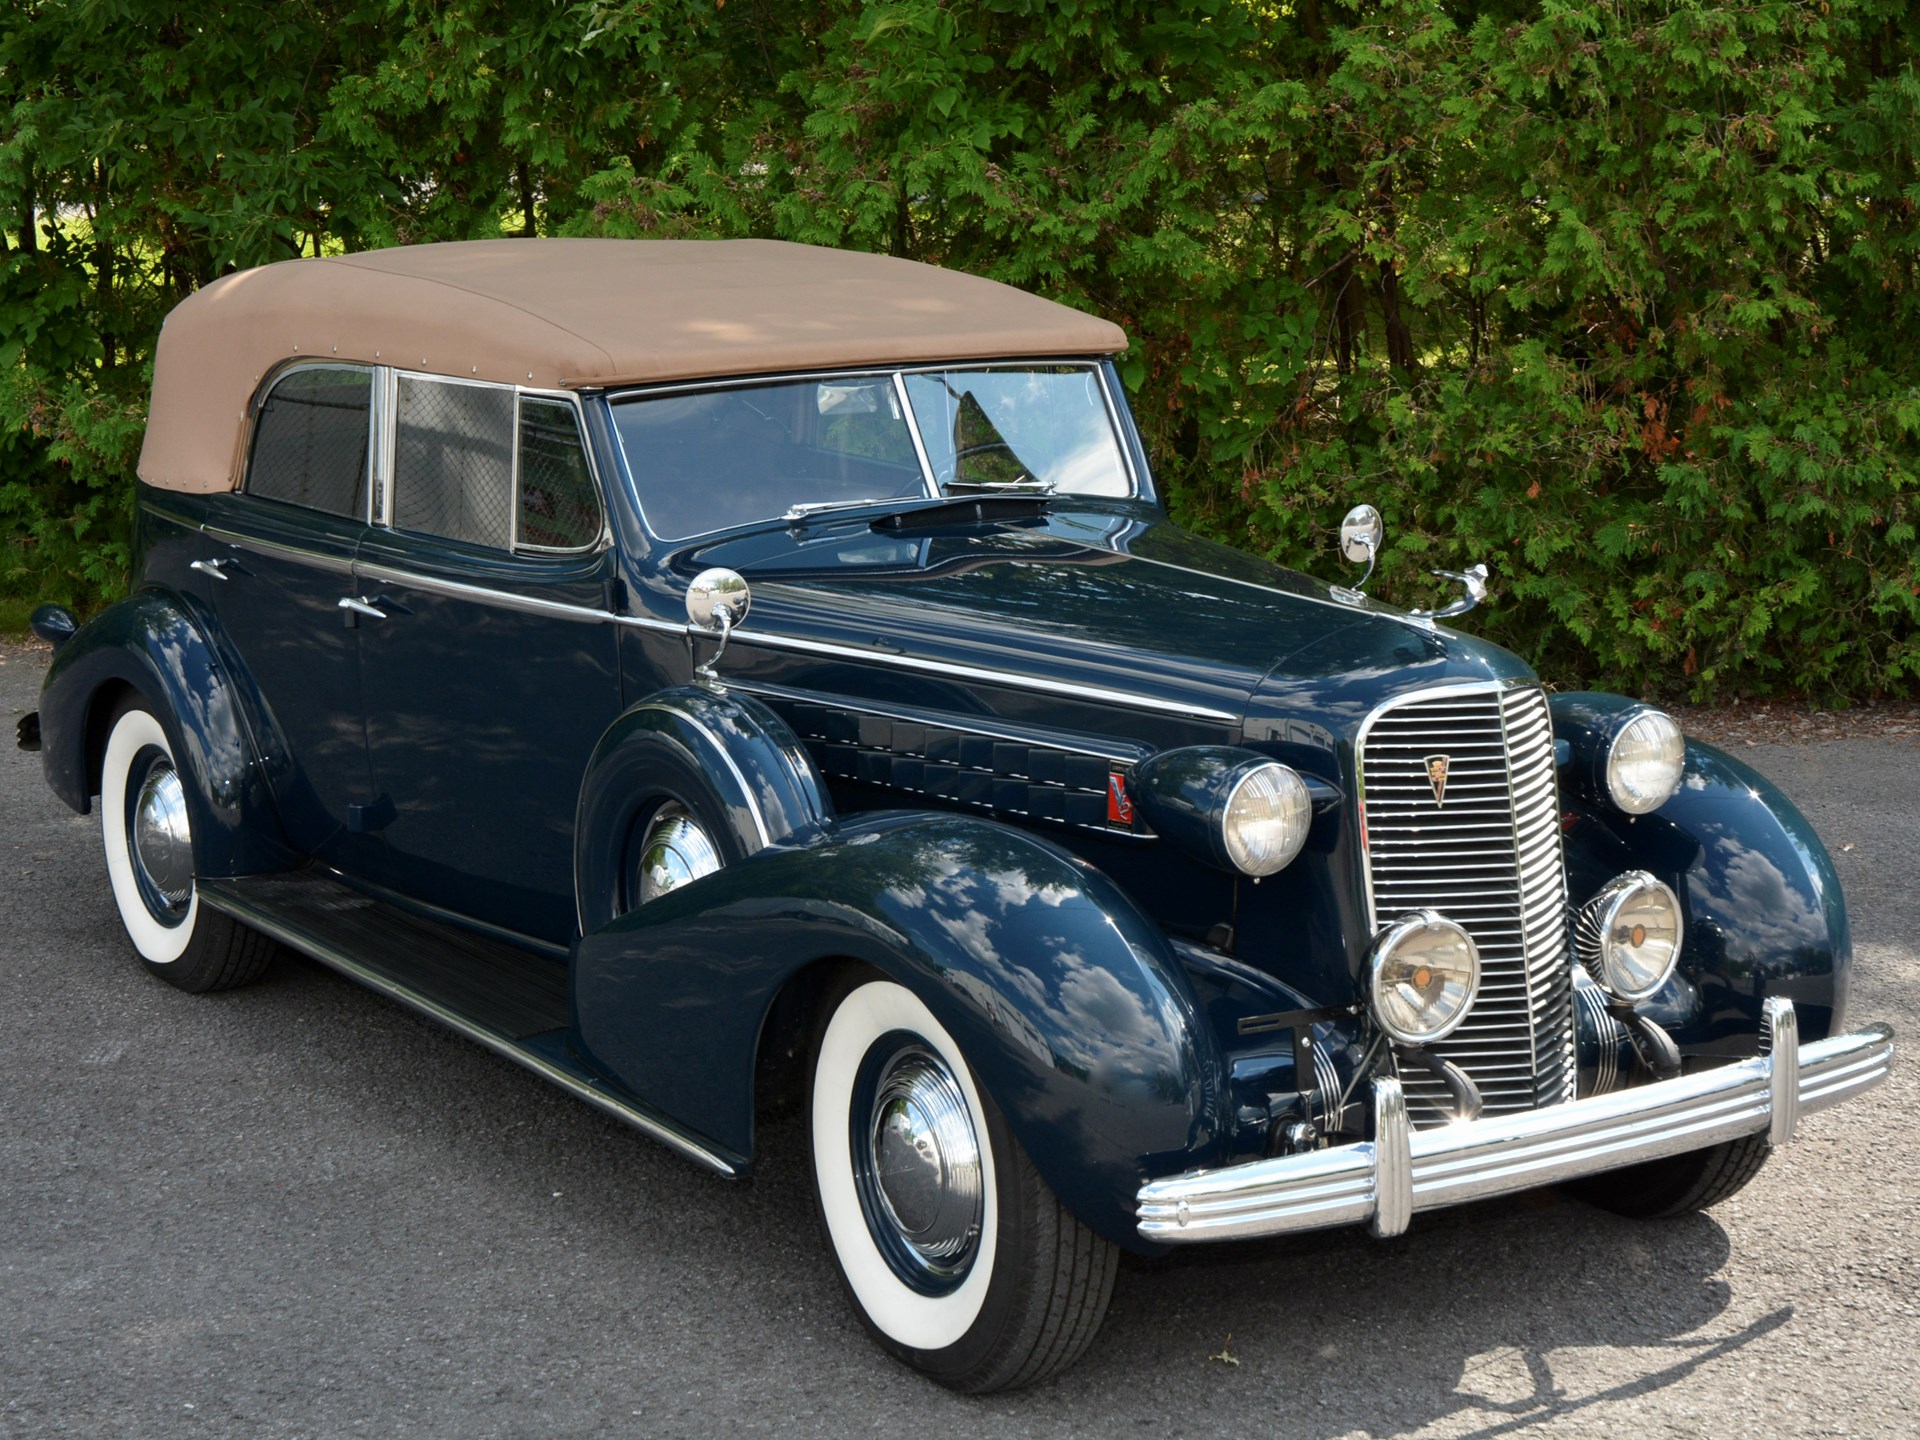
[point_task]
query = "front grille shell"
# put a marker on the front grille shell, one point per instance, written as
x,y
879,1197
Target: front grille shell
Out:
x,y
1488,856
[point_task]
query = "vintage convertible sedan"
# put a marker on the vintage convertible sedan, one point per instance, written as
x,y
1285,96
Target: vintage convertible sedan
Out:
x,y
712,672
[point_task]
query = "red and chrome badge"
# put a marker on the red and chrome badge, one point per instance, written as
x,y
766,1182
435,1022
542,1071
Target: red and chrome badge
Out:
x,y
1119,803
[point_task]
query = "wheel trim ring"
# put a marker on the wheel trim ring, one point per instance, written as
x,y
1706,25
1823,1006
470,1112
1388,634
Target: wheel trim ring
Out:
x,y
904,1315
926,1219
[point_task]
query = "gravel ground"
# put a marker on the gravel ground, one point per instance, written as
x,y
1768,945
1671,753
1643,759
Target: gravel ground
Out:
x,y
295,1210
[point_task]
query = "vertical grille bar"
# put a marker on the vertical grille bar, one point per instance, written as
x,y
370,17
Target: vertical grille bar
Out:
x,y
1486,853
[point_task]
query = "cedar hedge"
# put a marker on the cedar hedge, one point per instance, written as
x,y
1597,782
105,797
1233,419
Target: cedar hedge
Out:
x,y
1616,295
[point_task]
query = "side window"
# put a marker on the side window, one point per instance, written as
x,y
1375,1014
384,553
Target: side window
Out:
x,y
310,440
453,461
558,507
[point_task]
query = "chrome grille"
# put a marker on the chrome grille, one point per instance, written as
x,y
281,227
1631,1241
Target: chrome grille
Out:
x,y
1486,855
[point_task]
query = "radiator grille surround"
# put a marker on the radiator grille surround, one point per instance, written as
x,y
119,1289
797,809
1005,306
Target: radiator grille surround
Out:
x,y
1460,813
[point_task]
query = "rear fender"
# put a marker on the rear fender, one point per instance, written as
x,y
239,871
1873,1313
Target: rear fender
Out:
x,y
1067,1002
163,646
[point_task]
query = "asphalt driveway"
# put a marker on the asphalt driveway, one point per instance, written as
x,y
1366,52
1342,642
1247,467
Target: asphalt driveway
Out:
x,y
297,1210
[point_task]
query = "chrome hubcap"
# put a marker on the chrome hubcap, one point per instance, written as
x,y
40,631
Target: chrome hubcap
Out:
x,y
923,1161
675,852
162,842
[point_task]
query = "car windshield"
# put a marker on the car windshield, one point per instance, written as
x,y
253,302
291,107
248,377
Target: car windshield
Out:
x,y
710,459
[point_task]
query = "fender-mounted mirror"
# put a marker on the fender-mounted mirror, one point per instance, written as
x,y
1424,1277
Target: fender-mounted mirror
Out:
x,y
717,602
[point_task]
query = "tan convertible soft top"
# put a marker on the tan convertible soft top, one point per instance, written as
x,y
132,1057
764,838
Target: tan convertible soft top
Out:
x,y
572,313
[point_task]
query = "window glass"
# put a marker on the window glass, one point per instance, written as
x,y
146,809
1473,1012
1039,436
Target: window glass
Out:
x,y
985,429
558,507
709,459
453,461
310,441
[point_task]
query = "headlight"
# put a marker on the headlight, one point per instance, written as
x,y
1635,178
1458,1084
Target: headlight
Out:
x,y
1644,762
1628,936
1266,818
1425,971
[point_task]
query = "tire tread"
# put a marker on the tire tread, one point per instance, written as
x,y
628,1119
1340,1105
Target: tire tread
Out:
x,y
1678,1185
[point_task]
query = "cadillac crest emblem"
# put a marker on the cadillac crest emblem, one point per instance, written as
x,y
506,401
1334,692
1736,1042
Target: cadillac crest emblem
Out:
x,y
1437,776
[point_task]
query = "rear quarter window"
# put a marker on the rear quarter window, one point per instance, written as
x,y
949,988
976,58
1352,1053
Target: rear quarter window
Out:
x,y
310,440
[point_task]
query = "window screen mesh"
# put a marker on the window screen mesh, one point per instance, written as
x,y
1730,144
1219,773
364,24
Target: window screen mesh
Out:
x,y
310,441
453,461
558,507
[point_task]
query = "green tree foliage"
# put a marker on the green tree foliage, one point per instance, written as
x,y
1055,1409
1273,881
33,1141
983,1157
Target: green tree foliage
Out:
x,y
1617,295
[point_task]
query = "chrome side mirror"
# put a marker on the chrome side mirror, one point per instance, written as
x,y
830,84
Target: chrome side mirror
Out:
x,y
1360,536
717,602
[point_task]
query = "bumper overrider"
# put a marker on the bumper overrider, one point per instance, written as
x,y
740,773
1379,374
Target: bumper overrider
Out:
x,y
1402,1171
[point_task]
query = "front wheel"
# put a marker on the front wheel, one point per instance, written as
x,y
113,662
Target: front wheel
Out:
x,y
147,832
958,1257
1677,1185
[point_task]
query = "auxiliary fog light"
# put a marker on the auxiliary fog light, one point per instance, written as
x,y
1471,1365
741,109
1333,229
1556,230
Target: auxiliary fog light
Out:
x,y
1628,936
1645,761
1424,972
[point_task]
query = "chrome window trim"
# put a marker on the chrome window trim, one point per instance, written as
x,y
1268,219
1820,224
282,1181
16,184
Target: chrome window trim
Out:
x,y
569,398
905,402
269,383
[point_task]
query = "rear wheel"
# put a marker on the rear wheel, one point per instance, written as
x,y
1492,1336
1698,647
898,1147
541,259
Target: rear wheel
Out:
x,y
148,837
957,1256
1678,1185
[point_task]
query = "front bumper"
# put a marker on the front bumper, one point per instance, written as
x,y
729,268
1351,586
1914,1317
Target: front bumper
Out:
x,y
1401,1171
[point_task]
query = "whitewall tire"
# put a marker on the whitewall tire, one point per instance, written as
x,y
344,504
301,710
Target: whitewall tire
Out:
x,y
146,832
956,1255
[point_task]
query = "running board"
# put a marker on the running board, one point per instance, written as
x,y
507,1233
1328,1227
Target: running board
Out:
x,y
512,1001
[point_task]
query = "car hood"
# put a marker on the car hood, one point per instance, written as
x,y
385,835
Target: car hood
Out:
x,y
1093,606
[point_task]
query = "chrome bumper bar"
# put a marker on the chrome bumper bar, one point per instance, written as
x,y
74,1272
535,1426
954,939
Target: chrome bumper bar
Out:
x,y
1402,1171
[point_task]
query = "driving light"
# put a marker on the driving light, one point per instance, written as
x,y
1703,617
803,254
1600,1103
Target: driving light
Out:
x,y
1628,936
1424,973
1644,762
1266,818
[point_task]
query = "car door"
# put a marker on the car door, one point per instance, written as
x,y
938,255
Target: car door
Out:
x,y
493,668
281,560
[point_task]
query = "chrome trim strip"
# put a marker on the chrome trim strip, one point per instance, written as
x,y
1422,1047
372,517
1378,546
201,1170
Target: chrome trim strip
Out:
x,y
342,564
1104,746
905,402
985,676
1478,1159
502,599
269,924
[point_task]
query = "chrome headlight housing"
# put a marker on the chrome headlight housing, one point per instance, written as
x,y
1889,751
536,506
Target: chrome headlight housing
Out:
x,y
1265,820
1423,975
1644,762
1629,935
1233,808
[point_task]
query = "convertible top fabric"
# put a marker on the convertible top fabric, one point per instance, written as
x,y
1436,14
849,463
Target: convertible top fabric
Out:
x,y
573,314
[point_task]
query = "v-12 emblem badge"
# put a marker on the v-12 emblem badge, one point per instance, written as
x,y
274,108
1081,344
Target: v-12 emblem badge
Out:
x,y
1437,776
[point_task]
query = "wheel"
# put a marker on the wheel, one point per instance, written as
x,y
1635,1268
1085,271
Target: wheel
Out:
x,y
1678,1185
957,1256
670,849
148,837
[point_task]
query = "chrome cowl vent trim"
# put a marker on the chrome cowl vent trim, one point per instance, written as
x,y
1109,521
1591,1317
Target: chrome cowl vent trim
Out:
x,y
1460,813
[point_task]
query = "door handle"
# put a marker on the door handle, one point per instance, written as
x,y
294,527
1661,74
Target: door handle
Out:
x,y
212,567
352,607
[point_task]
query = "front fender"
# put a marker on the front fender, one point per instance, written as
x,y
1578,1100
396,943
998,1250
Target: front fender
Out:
x,y
1067,1002
156,643
1763,907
